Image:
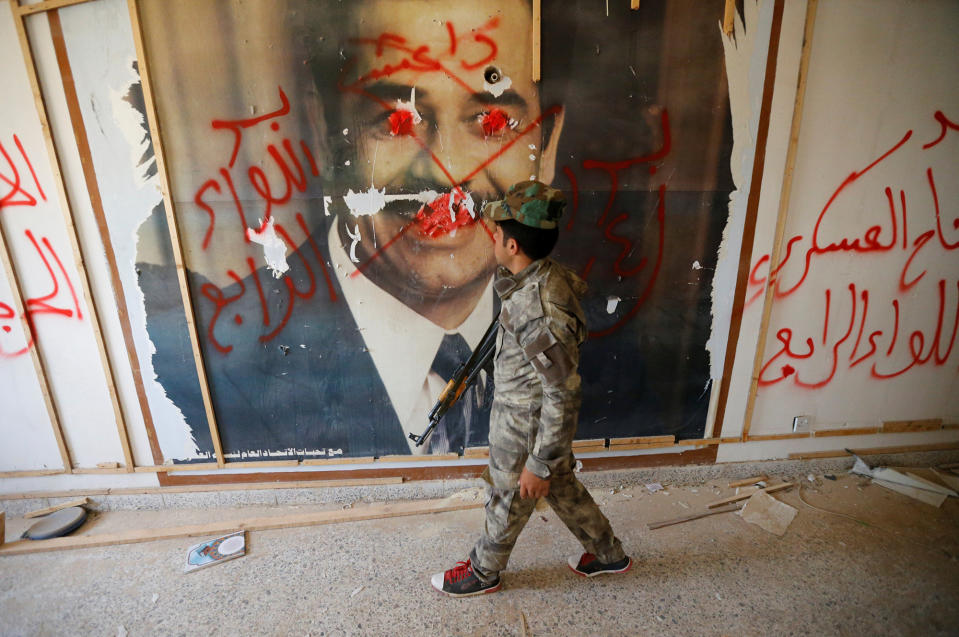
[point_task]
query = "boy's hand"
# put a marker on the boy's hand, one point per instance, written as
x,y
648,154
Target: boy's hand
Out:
x,y
532,486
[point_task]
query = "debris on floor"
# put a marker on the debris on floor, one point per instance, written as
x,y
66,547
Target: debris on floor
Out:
x,y
749,481
908,484
57,524
694,516
768,513
216,551
653,487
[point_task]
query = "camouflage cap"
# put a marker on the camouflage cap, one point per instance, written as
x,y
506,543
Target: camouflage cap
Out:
x,y
532,203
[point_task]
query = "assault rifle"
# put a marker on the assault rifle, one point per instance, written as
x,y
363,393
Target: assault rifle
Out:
x,y
464,377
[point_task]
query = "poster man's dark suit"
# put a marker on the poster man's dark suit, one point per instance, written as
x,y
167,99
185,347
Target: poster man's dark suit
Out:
x,y
311,388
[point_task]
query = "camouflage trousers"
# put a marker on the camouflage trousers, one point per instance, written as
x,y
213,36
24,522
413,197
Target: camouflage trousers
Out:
x,y
507,514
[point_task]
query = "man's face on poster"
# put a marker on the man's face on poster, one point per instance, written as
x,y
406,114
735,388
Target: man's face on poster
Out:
x,y
439,111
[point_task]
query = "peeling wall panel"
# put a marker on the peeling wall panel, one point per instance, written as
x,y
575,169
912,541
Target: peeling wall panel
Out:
x,y
103,60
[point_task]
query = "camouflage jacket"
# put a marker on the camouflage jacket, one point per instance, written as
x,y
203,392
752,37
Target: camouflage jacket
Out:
x,y
537,396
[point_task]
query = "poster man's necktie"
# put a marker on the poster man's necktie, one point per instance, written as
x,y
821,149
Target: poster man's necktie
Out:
x,y
451,433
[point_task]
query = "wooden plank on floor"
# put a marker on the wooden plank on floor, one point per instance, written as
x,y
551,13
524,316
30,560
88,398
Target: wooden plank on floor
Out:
x,y
79,502
748,481
694,516
372,512
747,493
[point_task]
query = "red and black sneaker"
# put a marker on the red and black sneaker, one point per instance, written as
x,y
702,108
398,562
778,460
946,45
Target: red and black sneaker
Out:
x,y
461,581
588,565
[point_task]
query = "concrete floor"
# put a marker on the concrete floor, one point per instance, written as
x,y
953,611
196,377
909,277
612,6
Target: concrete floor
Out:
x,y
716,576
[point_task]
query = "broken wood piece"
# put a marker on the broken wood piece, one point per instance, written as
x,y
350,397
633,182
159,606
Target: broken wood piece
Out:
x,y
79,502
747,481
729,17
372,512
745,493
938,488
929,497
950,479
768,513
537,40
694,516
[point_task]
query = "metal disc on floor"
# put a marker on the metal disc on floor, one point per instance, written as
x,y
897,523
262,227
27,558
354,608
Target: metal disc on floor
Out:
x,y
57,524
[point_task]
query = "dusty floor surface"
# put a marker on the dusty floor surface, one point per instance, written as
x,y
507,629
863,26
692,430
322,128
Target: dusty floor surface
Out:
x,y
828,575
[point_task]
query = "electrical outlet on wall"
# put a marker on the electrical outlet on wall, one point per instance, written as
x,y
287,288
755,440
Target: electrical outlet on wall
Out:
x,y
801,424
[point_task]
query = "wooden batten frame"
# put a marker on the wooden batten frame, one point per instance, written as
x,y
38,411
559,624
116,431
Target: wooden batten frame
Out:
x,y
7,258
872,451
170,468
849,431
173,225
903,426
784,197
537,40
49,5
749,224
419,457
33,473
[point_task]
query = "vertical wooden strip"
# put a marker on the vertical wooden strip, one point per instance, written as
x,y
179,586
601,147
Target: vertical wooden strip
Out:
x,y
537,39
752,208
784,197
172,224
729,17
6,259
93,190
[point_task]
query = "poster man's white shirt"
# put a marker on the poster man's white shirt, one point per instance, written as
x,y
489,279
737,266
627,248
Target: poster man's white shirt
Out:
x,y
401,342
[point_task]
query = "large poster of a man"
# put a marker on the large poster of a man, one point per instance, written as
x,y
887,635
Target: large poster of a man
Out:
x,y
329,162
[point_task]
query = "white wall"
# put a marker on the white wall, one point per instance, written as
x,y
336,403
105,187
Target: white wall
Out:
x,y
876,79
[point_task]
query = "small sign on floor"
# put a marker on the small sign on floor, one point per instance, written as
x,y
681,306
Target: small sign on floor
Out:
x,y
215,551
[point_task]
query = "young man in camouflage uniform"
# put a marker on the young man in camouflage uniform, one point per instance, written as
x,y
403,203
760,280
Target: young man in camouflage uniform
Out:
x,y
537,398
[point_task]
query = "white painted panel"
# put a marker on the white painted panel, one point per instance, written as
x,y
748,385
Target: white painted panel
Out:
x,y
879,73
25,430
45,260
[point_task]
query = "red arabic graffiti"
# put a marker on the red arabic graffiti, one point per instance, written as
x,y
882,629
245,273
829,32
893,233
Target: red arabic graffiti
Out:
x,y
61,299
282,171
15,192
872,318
